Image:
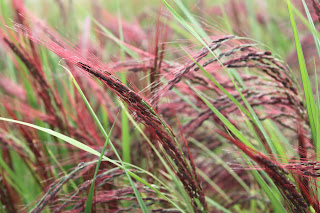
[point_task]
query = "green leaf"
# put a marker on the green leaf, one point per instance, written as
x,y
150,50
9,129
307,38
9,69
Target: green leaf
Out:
x,y
310,102
90,195
125,129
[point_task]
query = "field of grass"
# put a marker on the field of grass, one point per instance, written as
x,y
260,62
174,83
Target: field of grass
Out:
x,y
159,106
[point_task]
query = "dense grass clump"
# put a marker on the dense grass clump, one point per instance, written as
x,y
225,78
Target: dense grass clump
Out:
x,y
180,107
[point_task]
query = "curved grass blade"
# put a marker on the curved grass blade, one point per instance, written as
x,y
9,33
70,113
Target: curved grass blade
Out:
x,y
217,205
310,102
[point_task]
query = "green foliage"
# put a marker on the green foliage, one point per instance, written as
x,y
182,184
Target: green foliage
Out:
x,y
220,129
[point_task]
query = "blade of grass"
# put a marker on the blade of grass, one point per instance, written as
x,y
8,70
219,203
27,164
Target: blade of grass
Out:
x,y
235,101
317,43
114,38
217,205
185,24
214,185
278,207
315,38
194,22
309,99
14,180
125,129
91,191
